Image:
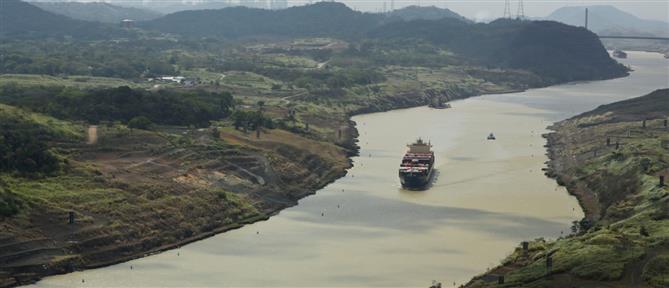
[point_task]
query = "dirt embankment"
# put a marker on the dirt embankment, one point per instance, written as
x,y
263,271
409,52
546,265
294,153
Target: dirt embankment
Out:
x,y
134,193
611,159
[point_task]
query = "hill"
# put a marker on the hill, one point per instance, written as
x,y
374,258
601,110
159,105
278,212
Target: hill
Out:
x,y
22,20
167,7
97,11
606,19
555,51
426,13
321,19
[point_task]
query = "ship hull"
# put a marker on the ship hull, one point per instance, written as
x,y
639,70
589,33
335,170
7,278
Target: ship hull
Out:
x,y
415,180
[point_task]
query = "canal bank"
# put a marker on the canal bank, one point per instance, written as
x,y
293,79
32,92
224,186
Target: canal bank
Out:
x,y
363,230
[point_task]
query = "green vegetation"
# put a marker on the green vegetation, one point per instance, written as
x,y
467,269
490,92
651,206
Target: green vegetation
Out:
x,y
25,139
251,120
554,51
140,122
170,107
413,12
9,204
624,239
23,152
118,59
67,80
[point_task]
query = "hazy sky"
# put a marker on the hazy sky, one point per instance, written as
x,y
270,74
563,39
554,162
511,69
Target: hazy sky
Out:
x,y
485,9
649,9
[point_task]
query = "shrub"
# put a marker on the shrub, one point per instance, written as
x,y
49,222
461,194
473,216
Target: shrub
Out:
x,y
9,205
23,148
655,271
140,122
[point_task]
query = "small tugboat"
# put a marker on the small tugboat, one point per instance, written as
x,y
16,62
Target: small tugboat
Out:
x,y
619,54
491,136
416,167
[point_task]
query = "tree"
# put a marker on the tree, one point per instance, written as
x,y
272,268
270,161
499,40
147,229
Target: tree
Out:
x,y
140,122
239,118
9,205
24,149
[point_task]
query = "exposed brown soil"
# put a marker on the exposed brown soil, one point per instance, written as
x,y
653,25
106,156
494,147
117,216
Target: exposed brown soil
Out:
x,y
163,196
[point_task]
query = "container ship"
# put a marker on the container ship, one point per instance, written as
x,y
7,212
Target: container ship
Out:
x,y
417,165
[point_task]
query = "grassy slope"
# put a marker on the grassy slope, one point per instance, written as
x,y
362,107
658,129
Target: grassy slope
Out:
x,y
74,81
137,191
628,246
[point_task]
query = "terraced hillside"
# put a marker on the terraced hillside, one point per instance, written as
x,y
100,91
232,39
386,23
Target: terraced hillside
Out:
x,y
133,192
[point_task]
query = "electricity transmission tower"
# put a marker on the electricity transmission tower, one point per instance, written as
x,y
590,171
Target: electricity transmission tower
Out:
x,y
507,9
521,10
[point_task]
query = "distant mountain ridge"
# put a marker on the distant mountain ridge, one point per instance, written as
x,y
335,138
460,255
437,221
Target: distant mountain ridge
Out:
x,y
167,7
96,11
413,12
22,20
606,19
320,19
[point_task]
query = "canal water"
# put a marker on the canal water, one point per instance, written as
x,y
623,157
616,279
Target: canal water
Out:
x,y
364,230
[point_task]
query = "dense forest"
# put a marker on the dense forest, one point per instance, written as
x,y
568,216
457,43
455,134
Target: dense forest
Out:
x,y
555,51
121,59
321,19
23,148
122,104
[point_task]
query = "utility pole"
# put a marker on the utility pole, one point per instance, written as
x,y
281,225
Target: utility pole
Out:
x,y
507,9
586,18
392,5
521,10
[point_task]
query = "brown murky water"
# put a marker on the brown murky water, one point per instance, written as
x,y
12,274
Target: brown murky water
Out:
x,y
364,230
